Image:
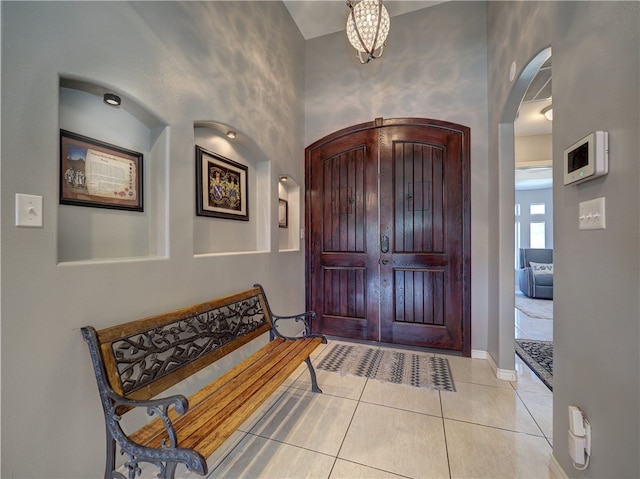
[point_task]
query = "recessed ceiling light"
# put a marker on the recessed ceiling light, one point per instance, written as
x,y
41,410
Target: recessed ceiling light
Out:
x,y
112,99
231,134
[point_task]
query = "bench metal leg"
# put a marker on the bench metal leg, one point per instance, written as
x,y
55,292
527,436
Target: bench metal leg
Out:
x,y
170,470
111,457
312,372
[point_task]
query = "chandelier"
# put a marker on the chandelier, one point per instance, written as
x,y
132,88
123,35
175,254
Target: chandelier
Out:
x,y
367,28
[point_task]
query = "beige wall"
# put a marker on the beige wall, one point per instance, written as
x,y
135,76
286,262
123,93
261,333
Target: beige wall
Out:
x,y
531,151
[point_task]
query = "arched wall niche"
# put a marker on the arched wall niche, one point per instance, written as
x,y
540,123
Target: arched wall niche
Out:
x,y
87,234
221,236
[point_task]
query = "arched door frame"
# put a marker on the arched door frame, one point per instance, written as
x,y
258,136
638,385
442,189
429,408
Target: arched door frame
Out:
x,y
506,182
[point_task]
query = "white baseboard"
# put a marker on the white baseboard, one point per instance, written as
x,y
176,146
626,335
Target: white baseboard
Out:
x,y
507,374
478,354
504,374
555,469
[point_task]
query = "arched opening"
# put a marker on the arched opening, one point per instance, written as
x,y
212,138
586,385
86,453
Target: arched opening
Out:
x,y
506,181
533,209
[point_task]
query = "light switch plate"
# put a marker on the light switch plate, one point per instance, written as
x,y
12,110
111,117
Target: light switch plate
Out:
x,y
28,210
591,215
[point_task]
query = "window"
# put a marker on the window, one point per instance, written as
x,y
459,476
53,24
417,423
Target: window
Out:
x,y
536,235
517,259
536,209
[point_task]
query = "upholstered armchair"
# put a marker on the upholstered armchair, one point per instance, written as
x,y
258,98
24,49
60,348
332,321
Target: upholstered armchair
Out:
x,y
535,276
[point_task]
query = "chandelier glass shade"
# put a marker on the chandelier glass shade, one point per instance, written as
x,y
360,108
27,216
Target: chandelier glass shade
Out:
x,y
367,28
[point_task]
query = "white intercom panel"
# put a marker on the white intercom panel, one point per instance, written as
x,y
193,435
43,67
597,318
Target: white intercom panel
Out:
x,y
587,159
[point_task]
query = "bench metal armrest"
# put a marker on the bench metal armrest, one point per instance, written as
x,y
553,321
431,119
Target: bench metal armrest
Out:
x,y
306,319
155,407
168,452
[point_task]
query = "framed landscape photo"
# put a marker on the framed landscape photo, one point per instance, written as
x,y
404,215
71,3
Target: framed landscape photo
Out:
x,y
221,187
100,175
283,213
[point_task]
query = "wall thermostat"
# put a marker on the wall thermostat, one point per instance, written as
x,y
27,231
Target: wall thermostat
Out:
x,y
587,159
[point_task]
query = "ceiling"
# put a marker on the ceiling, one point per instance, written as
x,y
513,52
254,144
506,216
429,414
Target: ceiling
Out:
x,y
530,120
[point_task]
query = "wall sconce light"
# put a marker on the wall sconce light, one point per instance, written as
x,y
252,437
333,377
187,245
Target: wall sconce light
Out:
x,y
231,134
548,112
367,28
112,99
283,178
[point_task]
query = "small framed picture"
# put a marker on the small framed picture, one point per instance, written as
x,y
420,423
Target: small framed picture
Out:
x,y
283,213
97,174
221,187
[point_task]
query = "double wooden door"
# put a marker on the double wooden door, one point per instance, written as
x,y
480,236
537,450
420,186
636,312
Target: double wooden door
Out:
x,y
387,228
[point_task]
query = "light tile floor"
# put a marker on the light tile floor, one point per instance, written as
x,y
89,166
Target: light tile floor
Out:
x,y
366,429
360,428
533,328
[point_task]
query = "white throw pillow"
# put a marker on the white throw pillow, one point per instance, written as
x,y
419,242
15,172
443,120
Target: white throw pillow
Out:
x,y
541,268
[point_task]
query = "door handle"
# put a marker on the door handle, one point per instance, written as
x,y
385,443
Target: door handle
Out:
x,y
384,244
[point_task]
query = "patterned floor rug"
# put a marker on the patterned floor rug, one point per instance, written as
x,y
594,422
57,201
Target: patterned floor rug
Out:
x,y
419,370
539,357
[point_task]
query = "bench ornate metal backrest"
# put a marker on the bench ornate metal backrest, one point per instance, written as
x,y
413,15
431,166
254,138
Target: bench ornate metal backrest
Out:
x,y
136,361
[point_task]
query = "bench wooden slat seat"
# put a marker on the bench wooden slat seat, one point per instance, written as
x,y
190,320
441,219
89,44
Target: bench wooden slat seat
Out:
x,y
213,412
136,361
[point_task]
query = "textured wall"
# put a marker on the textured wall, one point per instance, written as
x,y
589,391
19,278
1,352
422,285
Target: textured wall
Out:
x,y
238,63
596,86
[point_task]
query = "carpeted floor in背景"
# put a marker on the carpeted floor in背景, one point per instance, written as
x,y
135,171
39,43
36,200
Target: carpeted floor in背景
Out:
x,y
539,357
535,308
419,370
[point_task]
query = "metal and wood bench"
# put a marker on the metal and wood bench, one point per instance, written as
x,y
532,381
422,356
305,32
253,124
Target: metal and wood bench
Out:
x,y
135,361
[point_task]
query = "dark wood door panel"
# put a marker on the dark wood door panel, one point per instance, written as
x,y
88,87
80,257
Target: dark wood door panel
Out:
x,y
345,292
342,217
388,219
421,312
439,337
342,192
417,196
344,308
424,183
419,296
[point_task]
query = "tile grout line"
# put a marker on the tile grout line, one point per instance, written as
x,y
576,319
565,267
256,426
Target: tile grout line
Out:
x,y
344,438
531,414
248,432
444,433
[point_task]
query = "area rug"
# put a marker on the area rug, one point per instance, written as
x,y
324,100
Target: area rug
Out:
x,y
538,355
419,370
535,308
